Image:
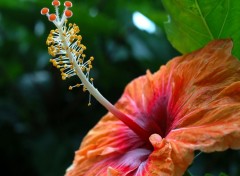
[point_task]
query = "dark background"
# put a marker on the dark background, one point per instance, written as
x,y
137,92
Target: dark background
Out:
x,y
41,122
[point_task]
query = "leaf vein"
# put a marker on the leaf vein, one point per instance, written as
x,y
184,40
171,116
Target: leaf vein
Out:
x,y
225,19
219,2
188,34
204,20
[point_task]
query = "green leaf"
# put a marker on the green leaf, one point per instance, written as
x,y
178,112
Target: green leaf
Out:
x,y
193,23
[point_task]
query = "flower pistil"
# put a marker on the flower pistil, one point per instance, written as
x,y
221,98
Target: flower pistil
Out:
x,y
64,45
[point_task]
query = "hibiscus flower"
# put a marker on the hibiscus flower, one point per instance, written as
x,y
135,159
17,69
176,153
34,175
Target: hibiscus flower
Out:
x,y
191,103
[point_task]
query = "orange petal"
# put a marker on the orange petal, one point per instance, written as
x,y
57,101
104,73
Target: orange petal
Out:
x,y
106,147
209,118
168,158
113,172
192,103
217,130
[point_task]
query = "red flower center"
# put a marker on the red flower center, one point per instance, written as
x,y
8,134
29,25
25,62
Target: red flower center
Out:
x,y
158,112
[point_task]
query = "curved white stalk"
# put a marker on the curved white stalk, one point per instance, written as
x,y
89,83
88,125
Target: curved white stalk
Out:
x,y
92,90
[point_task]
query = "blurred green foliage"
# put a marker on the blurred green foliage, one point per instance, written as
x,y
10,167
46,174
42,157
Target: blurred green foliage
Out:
x,y
41,122
221,174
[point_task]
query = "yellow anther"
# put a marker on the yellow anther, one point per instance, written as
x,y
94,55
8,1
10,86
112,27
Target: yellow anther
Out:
x,y
64,74
84,89
64,45
76,28
48,42
79,37
71,39
54,63
52,32
83,47
91,58
49,50
81,51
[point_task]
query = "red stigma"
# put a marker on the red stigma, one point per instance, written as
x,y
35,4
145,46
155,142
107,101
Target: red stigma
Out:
x,y
56,3
68,13
44,11
52,17
68,4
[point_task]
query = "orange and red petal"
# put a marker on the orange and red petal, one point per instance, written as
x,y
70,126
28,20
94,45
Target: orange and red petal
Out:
x,y
169,158
110,144
218,130
192,103
209,117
